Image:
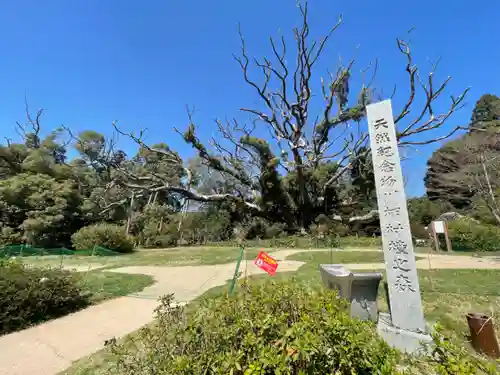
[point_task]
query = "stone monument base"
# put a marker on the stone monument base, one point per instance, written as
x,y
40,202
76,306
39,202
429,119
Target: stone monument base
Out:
x,y
406,341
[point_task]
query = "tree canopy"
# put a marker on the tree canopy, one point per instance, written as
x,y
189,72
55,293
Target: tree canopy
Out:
x,y
289,166
465,171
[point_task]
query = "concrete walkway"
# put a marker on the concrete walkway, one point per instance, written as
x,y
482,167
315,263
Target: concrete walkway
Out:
x,y
51,347
437,261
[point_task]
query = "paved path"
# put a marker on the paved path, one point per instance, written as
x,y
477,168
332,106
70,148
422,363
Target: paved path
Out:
x,y
52,347
436,261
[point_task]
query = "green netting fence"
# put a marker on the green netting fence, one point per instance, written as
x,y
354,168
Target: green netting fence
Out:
x,y
26,251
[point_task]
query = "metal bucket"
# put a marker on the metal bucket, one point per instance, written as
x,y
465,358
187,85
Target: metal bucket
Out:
x,y
482,334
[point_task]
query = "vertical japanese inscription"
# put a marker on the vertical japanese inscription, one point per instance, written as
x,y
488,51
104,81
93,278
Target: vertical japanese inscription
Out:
x,y
404,292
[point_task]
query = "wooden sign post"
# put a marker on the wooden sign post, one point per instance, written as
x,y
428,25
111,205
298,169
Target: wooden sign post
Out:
x,y
447,237
440,227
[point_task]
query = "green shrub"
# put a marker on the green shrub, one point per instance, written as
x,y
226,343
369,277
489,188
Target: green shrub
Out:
x,y
324,225
275,230
256,228
420,235
110,236
162,241
467,235
418,231
267,329
9,236
446,358
339,229
201,227
32,295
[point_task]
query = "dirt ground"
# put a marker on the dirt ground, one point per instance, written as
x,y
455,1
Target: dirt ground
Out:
x,y
51,347
437,261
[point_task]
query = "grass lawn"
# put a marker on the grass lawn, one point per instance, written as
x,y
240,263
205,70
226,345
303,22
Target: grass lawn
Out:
x,y
334,257
107,285
180,256
447,294
207,255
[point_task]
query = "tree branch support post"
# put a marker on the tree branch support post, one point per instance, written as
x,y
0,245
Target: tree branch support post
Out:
x,y
130,210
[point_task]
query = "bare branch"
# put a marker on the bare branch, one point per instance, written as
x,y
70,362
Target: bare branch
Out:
x,y
412,71
215,162
34,123
284,87
431,95
170,156
367,218
351,156
189,194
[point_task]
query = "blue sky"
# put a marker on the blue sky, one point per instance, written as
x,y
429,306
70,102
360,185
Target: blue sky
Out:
x,y
141,62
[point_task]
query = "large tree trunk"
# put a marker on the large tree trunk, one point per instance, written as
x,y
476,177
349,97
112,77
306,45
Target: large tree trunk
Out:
x,y
130,211
181,220
304,204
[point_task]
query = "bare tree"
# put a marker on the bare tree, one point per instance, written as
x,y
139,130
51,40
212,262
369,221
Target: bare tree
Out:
x,y
30,131
295,173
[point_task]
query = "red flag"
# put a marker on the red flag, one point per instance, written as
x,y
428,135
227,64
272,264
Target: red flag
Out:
x,y
265,262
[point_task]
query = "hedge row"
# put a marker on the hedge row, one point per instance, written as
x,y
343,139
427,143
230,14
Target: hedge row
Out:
x,y
109,236
468,235
30,295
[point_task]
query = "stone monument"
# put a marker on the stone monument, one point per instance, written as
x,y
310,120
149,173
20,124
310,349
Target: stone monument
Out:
x,y
405,327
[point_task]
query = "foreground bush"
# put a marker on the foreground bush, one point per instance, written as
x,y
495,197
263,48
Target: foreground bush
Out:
x,y
110,236
32,295
468,235
268,329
